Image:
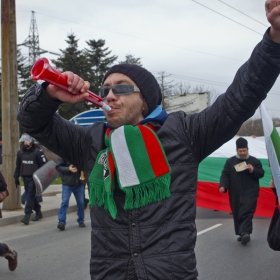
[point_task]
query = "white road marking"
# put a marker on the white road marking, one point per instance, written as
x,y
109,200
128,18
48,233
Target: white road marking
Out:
x,y
208,229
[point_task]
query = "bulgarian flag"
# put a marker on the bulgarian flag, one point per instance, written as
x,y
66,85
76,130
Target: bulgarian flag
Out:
x,y
272,142
210,169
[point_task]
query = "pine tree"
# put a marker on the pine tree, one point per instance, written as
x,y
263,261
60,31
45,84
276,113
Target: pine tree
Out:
x,y
23,71
131,59
72,59
99,62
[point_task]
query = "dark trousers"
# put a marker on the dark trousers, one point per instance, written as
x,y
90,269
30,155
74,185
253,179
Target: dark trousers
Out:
x,y
3,249
31,201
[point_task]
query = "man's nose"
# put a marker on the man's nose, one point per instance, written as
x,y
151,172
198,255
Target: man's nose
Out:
x,y
110,95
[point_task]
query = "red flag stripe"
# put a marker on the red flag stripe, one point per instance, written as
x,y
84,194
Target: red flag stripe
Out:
x,y
208,196
157,159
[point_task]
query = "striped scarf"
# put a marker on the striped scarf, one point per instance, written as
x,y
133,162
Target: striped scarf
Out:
x,y
135,157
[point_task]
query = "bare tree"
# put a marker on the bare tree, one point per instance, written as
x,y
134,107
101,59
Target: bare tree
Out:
x,y
165,86
182,89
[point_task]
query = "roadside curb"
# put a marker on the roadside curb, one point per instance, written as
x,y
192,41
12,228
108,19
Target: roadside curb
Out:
x,y
46,213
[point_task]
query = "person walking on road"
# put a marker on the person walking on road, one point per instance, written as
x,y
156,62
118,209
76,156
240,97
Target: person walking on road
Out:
x,y
71,183
29,159
240,177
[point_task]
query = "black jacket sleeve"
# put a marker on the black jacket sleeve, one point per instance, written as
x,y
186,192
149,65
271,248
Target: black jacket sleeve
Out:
x,y
258,170
18,165
217,124
41,158
224,179
62,166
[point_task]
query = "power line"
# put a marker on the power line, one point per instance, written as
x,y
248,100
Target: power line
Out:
x,y
143,39
227,17
156,42
174,75
243,13
182,77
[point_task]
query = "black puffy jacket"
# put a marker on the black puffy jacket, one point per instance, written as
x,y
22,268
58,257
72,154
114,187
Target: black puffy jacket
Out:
x,y
156,241
68,178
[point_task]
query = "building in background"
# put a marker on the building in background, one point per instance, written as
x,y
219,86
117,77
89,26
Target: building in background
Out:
x,y
189,103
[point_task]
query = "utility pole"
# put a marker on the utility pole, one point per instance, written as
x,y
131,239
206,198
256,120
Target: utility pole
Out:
x,y
10,126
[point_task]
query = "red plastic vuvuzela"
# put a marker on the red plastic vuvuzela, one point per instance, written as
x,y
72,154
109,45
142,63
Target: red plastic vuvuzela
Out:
x,y
42,70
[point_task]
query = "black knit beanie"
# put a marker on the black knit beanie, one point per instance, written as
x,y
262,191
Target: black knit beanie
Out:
x,y
144,80
241,143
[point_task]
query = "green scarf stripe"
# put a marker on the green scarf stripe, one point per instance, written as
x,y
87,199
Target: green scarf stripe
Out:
x,y
275,138
138,153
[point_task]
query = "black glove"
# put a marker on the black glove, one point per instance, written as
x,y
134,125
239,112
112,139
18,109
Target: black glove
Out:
x,y
17,182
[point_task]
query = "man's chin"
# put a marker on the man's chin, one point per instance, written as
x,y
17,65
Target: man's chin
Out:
x,y
114,122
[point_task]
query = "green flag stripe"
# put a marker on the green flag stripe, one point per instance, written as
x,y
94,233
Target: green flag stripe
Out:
x,y
276,142
139,155
210,170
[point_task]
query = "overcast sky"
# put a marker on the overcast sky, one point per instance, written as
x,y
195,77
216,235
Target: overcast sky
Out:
x,y
201,42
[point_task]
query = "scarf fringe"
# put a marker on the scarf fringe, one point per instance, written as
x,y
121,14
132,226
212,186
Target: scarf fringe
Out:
x,y
98,196
135,197
143,194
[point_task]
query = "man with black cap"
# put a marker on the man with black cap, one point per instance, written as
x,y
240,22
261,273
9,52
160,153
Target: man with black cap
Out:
x,y
240,177
142,165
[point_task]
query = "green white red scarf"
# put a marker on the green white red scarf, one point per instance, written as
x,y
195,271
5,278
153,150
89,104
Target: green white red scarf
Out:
x,y
135,156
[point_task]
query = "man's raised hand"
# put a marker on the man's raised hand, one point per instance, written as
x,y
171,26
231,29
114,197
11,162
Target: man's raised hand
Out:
x,y
76,92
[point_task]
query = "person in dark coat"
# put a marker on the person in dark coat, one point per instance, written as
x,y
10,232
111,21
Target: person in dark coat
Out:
x,y
240,177
29,159
142,165
71,183
5,251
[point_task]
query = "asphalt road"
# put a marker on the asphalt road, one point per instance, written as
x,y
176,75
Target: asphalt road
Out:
x,y
47,253
221,257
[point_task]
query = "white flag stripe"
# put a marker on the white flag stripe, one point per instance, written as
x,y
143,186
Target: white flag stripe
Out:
x,y
274,165
127,174
267,122
272,157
